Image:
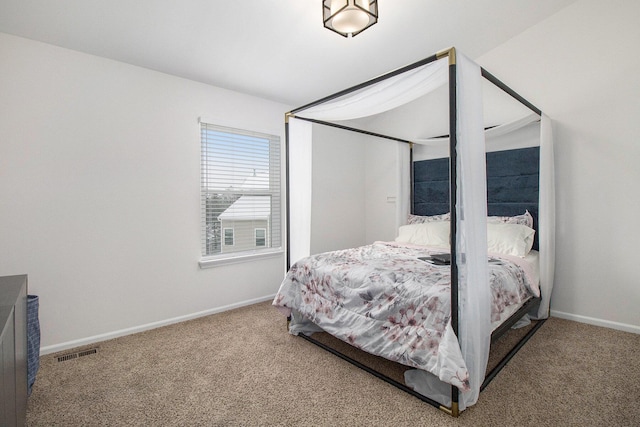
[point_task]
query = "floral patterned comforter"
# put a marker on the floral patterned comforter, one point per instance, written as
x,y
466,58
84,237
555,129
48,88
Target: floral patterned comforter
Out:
x,y
382,299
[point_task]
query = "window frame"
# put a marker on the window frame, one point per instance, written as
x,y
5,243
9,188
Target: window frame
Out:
x,y
273,241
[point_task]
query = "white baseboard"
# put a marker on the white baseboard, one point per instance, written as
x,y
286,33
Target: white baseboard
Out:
x,y
115,334
597,322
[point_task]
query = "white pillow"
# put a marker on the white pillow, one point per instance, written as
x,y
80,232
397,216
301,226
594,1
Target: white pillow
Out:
x,y
435,233
509,239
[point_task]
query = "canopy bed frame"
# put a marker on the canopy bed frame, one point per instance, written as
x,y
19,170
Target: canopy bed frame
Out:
x,y
449,200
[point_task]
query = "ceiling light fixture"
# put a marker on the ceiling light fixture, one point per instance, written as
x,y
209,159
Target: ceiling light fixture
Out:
x,y
349,17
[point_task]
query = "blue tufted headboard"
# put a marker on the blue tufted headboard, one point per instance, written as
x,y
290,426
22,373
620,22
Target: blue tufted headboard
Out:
x,y
512,184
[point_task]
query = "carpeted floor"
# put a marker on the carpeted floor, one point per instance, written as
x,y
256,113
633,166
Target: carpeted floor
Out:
x,y
242,368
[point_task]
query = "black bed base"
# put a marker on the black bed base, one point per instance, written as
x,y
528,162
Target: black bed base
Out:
x,y
373,371
497,333
529,306
491,375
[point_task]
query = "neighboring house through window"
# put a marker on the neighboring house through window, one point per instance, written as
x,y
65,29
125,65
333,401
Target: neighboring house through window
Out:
x,y
241,195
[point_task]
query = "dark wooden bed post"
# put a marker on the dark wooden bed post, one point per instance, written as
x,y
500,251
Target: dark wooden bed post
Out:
x,y
287,116
453,189
411,181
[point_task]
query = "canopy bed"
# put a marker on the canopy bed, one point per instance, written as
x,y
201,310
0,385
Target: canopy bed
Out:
x,y
471,205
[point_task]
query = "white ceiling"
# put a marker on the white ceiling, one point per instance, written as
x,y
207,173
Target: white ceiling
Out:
x,y
275,49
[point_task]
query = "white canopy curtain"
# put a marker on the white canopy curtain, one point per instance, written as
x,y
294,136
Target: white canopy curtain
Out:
x,y
500,130
474,297
384,96
546,216
300,136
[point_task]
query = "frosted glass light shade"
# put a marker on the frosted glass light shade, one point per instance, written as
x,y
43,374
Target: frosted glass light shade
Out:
x,y
349,17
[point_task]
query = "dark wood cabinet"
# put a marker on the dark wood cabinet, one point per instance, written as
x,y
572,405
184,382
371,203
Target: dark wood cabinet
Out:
x,y
13,350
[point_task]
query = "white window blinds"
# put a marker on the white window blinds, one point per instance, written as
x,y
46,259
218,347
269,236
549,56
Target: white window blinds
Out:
x,y
240,187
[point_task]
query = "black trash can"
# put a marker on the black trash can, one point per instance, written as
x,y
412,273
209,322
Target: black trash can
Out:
x,y
33,340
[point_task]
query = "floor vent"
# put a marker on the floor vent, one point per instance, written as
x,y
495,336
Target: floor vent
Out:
x,y
87,352
70,356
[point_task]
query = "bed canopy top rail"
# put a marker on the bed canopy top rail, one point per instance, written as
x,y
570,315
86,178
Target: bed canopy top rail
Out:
x,y
451,54
352,129
493,79
373,81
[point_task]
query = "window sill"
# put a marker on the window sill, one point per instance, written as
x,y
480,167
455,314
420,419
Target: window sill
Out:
x,y
239,257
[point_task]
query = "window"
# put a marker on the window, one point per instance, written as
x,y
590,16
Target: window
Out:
x,y
261,237
241,196
228,236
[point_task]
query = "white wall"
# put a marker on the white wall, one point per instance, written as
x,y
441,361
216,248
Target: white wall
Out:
x,y
353,175
581,67
338,190
382,185
100,190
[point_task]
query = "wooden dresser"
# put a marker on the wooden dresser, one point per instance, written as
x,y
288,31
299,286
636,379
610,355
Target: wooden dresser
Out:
x,y
13,350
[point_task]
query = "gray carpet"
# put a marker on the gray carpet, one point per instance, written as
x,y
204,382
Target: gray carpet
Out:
x,y
242,368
